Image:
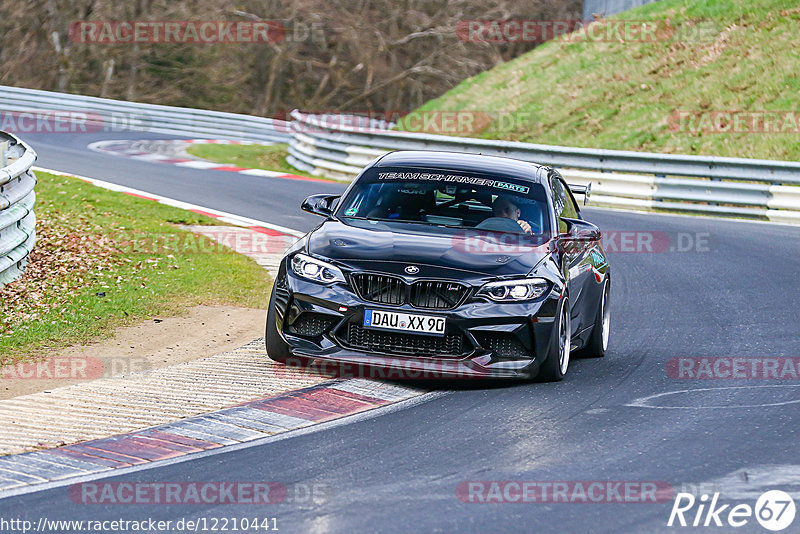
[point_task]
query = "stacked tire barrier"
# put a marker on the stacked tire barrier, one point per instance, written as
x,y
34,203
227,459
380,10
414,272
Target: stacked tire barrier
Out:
x,y
119,115
733,187
17,198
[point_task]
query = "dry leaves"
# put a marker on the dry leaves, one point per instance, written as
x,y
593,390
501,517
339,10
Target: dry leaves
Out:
x,y
70,254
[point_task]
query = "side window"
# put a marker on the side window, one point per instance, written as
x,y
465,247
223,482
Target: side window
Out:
x,y
559,198
570,208
562,203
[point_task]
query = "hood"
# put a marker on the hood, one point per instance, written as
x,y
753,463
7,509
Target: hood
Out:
x,y
391,247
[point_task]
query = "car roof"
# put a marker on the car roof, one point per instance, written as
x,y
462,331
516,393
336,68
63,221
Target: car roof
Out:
x,y
461,162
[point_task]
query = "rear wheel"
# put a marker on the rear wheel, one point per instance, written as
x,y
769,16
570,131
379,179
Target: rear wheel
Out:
x,y
597,345
556,365
277,348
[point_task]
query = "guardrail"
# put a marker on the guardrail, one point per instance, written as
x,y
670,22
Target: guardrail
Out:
x,y
336,148
610,7
738,187
17,198
119,115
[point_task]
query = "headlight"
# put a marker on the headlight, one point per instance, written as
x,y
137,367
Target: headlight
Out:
x,y
514,290
316,270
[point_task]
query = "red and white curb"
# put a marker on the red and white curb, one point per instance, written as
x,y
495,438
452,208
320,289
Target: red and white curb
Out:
x,y
252,422
137,150
247,423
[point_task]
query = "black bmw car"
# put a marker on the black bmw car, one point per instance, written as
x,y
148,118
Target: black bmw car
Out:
x,y
445,264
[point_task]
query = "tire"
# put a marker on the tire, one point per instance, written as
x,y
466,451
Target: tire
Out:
x,y
597,345
277,348
556,365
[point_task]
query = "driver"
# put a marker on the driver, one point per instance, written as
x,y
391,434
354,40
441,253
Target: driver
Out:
x,y
503,206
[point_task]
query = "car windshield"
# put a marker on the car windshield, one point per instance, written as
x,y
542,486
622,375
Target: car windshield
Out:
x,y
442,198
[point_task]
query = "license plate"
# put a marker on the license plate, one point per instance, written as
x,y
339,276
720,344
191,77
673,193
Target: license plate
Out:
x,y
404,322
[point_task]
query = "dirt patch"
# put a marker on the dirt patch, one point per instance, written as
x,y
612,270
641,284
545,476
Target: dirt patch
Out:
x,y
714,50
203,331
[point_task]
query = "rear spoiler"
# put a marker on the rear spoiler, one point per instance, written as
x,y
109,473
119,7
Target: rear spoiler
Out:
x,y
585,190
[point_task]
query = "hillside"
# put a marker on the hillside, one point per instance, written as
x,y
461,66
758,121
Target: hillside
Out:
x,y
671,94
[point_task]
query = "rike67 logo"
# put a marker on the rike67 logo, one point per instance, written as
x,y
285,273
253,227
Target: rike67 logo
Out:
x,y
774,510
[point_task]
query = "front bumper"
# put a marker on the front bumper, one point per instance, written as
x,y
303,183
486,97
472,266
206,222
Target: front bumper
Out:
x,y
482,339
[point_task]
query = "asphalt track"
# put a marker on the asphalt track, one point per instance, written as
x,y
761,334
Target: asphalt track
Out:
x,y
734,295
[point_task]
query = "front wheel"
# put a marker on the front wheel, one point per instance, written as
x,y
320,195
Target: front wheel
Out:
x,y
556,365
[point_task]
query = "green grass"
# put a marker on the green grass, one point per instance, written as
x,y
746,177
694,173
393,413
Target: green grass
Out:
x,y
269,157
620,95
105,259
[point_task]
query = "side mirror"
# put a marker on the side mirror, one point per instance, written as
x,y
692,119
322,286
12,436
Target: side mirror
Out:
x,y
580,230
319,204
